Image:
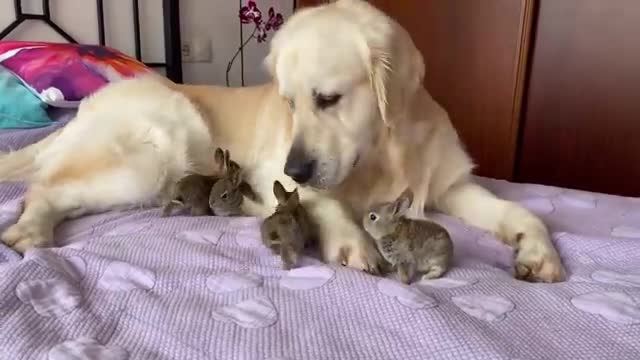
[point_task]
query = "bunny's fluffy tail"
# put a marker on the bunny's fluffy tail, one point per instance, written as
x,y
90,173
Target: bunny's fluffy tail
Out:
x,y
19,165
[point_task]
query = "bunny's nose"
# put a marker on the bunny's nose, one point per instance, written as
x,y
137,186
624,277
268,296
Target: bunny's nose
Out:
x,y
299,166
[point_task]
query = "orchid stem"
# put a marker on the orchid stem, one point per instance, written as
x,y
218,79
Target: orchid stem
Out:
x,y
233,59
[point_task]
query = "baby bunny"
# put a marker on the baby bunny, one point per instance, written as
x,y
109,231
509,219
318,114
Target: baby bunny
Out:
x,y
409,245
192,191
289,229
226,197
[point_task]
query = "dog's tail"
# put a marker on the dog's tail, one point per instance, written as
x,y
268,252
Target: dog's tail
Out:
x,y
19,165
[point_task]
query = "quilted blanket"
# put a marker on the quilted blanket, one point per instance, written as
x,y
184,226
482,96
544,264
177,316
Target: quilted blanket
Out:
x,y
132,285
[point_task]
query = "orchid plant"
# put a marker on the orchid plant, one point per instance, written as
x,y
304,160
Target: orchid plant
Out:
x,y
250,14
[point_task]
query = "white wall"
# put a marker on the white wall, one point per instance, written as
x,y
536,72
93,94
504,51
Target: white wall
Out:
x,y
216,20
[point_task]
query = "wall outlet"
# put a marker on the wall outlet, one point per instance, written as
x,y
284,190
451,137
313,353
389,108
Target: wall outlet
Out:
x,y
196,50
187,52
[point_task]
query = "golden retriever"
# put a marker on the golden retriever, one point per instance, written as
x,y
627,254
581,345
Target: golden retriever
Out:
x,y
346,117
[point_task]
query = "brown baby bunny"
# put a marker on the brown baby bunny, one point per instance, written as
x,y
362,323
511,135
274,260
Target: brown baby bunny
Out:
x,y
409,245
227,196
289,229
192,191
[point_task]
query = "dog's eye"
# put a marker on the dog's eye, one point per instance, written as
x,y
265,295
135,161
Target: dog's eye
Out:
x,y
325,101
373,216
292,104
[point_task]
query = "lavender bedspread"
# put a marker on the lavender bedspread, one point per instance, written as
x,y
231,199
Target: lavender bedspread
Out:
x,y
131,285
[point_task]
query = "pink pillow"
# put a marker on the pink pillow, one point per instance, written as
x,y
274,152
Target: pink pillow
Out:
x,y
63,74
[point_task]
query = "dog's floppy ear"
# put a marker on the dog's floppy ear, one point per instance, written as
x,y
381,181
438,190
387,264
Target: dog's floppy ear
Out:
x,y
397,74
396,67
379,74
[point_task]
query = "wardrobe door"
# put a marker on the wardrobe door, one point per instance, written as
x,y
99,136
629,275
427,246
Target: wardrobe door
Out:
x,y
474,53
582,120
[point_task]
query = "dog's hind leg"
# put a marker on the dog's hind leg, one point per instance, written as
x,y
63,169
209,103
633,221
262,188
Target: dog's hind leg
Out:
x,y
88,184
43,210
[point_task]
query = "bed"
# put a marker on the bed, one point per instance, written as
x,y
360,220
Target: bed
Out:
x,y
129,284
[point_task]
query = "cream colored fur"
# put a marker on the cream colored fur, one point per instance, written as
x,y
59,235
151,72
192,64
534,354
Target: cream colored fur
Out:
x,y
133,139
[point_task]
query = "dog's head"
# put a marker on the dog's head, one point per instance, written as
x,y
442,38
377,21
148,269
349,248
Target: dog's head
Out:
x,y
347,70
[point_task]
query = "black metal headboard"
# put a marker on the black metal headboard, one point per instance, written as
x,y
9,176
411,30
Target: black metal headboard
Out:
x,y
171,25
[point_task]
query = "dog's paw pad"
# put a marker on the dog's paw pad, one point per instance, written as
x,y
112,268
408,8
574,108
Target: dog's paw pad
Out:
x,y
24,236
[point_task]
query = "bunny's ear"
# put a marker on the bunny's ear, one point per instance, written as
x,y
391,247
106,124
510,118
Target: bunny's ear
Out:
x,y
402,203
247,191
293,198
219,158
280,192
226,160
235,176
233,166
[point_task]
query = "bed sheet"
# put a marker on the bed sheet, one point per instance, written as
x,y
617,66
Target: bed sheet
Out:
x,y
129,284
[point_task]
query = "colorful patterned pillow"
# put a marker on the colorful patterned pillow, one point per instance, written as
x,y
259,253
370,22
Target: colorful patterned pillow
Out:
x,y
63,74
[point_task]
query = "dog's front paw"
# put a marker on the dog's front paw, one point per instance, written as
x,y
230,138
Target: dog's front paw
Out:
x,y
537,260
357,257
24,236
365,257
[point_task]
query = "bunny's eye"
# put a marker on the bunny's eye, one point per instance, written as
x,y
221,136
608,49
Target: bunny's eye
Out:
x,y
373,216
224,196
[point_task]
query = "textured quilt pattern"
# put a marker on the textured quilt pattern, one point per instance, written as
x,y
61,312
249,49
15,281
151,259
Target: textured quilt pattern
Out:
x,y
132,285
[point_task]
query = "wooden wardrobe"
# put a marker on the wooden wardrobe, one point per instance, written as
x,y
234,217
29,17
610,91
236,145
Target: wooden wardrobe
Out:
x,y
543,91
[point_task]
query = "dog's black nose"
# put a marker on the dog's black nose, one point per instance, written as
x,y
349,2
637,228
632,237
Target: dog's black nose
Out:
x,y
299,167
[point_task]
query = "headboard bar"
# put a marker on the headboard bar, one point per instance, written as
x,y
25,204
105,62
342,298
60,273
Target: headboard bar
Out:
x,y
46,9
172,48
136,29
101,36
45,16
59,30
171,26
17,5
